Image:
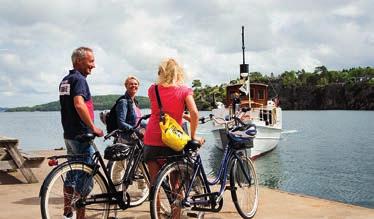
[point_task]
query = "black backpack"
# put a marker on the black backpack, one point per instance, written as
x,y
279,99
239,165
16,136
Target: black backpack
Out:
x,y
111,119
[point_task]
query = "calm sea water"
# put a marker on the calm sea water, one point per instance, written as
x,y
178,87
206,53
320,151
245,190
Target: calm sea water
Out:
x,y
327,154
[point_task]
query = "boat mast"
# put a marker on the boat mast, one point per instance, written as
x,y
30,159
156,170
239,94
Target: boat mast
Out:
x,y
244,70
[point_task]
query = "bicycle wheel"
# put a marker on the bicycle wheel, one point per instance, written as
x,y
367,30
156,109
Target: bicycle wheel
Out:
x,y
138,190
67,186
244,187
170,189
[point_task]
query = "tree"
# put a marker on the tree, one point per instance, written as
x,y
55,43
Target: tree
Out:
x,y
196,84
321,69
289,78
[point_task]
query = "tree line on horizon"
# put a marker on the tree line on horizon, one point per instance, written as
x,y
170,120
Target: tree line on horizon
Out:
x,y
353,80
206,96
101,102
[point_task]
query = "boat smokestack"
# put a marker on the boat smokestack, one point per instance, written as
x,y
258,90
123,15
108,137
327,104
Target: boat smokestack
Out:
x,y
244,68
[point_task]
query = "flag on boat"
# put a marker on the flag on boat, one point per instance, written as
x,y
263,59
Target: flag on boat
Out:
x,y
245,87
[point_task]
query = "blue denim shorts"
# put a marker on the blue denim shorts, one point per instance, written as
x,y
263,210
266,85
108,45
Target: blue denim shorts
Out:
x,y
80,181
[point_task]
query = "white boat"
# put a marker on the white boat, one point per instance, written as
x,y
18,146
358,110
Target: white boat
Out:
x,y
265,112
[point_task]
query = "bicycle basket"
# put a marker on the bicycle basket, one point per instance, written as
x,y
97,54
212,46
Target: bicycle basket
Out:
x,y
242,137
117,152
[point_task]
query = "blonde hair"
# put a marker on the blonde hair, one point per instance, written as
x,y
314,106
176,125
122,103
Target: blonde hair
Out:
x,y
170,72
131,77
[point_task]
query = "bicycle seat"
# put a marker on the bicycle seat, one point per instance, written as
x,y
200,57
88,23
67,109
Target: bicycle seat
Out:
x,y
192,145
85,137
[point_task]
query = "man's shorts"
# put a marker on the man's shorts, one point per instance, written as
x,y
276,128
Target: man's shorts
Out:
x,y
82,182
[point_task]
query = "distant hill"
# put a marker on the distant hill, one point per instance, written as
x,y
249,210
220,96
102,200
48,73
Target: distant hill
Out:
x,y
3,109
101,102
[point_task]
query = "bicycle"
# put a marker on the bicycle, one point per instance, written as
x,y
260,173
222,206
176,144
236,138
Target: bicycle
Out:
x,y
139,187
183,185
95,190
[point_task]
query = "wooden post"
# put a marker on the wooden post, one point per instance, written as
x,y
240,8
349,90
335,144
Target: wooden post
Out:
x,y
11,145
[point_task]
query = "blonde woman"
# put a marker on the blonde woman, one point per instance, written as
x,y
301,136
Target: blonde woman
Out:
x,y
175,96
127,108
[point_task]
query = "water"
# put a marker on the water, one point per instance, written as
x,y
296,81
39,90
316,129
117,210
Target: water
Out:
x,y
327,154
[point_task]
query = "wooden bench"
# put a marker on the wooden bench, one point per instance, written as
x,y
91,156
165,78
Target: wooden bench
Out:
x,y
12,159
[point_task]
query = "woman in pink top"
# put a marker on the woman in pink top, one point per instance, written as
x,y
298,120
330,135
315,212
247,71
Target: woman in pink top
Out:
x,y
174,98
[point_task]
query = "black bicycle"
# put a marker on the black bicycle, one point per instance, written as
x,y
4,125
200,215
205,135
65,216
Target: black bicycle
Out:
x,y
90,184
138,187
183,188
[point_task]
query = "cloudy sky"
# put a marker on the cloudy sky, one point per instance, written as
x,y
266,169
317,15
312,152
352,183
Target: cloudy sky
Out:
x,y
132,37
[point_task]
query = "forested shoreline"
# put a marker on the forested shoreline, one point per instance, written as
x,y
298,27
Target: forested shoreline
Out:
x,y
322,89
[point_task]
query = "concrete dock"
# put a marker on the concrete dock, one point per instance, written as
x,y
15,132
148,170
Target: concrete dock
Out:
x,y
20,200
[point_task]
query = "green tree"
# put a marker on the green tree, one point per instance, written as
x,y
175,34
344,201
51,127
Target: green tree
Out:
x,y
289,78
196,84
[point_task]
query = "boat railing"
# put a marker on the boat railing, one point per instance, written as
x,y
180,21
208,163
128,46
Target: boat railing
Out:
x,y
266,115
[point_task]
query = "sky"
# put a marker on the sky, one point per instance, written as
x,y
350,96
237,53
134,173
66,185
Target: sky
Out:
x,y
37,38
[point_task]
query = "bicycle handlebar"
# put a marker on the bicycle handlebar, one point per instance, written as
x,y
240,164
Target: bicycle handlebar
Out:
x,y
228,120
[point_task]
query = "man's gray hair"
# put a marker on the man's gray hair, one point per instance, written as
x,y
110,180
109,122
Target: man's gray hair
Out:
x,y
79,53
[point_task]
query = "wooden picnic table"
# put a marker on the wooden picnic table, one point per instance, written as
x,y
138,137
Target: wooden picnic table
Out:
x,y
12,158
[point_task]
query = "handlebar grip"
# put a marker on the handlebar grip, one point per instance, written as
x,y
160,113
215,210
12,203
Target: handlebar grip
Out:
x,y
202,120
146,116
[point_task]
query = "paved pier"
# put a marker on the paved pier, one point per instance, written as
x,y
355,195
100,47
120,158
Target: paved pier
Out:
x,y
20,200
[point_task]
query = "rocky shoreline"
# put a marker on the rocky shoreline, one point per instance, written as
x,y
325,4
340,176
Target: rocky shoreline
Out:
x,y
330,97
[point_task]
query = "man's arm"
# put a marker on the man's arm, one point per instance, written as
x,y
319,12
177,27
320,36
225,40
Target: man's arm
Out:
x,y
83,113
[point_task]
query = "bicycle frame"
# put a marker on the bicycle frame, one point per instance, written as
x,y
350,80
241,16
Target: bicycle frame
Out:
x,y
229,155
114,196
136,158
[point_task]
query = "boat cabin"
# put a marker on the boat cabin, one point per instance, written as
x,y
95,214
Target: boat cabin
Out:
x,y
259,95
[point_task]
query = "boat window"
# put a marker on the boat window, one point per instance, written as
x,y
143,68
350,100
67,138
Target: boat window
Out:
x,y
261,94
252,93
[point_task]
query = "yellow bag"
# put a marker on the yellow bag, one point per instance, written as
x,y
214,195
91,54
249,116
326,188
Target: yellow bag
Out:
x,y
173,134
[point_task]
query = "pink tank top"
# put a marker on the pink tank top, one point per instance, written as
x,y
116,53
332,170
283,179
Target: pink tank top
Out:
x,y
173,103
